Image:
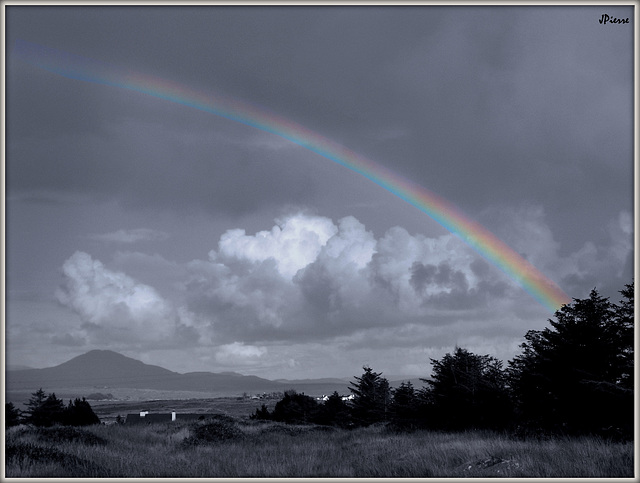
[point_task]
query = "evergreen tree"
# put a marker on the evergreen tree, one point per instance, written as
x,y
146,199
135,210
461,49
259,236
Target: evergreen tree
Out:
x,y
52,411
576,376
334,412
467,390
12,415
33,413
80,413
404,405
43,410
372,398
622,330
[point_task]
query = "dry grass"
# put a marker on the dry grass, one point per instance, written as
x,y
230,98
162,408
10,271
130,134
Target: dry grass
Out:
x,y
242,448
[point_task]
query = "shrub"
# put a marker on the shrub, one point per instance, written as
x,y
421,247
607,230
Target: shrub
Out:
x,y
213,430
261,414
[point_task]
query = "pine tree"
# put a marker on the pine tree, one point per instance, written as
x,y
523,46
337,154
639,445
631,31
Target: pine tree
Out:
x,y
467,390
334,412
575,376
43,410
372,398
11,414
404,405
52,411
622,330
80,413
33,413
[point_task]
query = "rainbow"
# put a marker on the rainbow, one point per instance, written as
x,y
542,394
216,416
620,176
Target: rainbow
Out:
x,y
475,235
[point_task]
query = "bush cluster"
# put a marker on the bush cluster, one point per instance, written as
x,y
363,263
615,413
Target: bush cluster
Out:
x,y
216,429
296,408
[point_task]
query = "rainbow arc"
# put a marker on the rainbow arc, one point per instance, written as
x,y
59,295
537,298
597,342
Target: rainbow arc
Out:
x,y
445,213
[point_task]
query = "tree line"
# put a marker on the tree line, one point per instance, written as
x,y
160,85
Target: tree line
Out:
x,y
45,410
573,377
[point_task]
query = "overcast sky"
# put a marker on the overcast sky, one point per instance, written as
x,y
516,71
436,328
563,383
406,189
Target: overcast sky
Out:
x,y
196,243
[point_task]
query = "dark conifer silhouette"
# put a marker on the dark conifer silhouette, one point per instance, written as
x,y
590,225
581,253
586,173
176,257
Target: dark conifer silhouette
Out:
x,y
52,411
466,390
43,410
80,413
372,398
32,413
334,412
573,377
12,415
404,406
295,408
622,330
47,410
576,376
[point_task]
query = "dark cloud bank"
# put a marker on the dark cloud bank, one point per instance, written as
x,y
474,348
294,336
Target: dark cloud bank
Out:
x,y
144,226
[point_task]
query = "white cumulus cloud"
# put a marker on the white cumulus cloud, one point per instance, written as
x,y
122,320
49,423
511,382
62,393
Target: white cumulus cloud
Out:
x,y
113,301
310,277
310,280
292,244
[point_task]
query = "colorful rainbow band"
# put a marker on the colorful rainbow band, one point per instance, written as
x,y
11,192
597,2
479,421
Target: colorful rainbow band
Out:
x,y
479,238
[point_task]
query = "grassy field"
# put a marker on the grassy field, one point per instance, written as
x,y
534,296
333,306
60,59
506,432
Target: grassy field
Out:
x,y
228,446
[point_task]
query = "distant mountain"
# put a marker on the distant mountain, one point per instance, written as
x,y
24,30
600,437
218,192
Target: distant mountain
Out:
x,y
105,369
95,368
108,369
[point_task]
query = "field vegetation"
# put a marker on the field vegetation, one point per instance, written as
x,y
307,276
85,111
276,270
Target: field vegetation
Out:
x,y
224,446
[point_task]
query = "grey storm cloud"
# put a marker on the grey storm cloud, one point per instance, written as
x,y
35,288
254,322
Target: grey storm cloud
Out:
x,y
305,279
521,116
435,71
